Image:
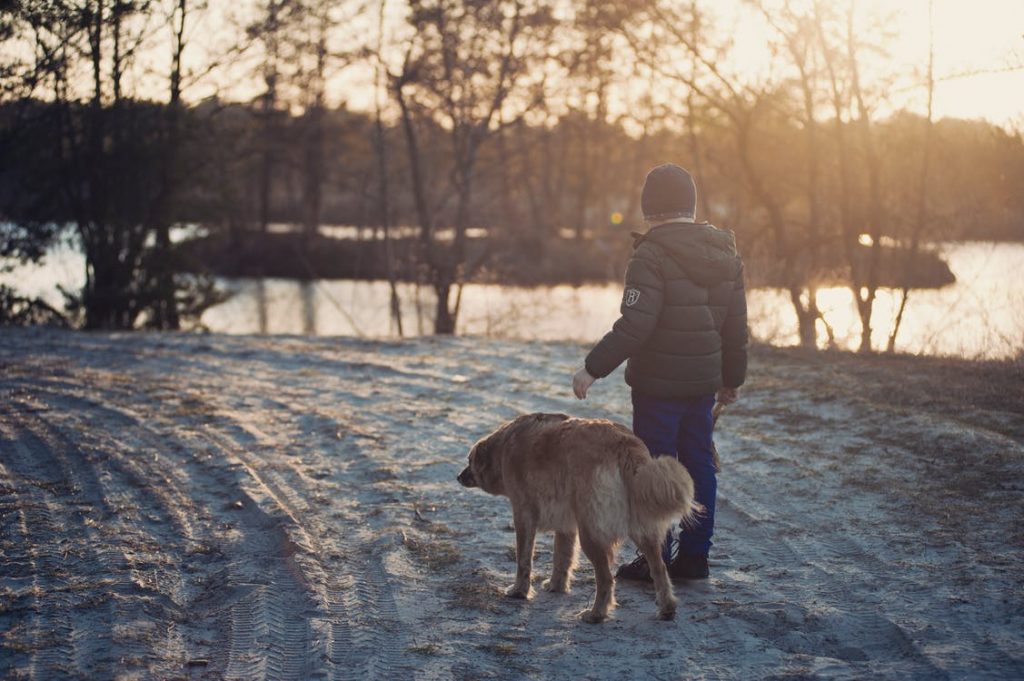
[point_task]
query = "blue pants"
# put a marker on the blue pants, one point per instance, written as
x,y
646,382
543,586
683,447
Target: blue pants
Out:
x,y
682,429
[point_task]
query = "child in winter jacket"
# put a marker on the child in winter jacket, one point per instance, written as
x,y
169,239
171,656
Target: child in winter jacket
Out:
x,y
683,336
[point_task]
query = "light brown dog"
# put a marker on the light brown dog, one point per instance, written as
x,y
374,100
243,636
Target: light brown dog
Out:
x,y
588,477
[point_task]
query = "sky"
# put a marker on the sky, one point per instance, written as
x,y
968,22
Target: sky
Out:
x,y
970,36
980,37
979,54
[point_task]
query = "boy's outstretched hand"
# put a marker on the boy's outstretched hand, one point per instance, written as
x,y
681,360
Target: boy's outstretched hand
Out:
x,y
581,382
728,395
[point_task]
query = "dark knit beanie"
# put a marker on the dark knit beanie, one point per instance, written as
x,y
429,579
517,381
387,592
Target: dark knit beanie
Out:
x,y
668,193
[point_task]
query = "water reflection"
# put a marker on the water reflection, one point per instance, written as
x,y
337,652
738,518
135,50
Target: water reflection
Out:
x,y
982,315
262,315
979,316
307,293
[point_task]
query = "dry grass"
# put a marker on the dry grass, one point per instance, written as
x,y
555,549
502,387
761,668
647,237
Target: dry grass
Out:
x,y
435,554
477,591
429,649
498,648
985,393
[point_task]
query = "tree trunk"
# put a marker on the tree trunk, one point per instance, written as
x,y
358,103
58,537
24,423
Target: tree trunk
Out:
x,y
865,325
314,134
165,315
268,113
308,295
313,171
444,320
585,170
891,347
446,273
265,187
806,317
703,197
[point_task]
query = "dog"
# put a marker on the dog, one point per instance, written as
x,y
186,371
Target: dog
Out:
x,y
587,477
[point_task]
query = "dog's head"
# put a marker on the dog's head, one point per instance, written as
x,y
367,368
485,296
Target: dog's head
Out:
x,y
483,469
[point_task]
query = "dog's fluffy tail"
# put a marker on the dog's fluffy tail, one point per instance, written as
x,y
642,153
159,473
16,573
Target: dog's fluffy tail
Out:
x,y
659,488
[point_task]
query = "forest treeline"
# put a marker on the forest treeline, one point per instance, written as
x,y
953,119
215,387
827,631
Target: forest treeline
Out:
x,y
503,140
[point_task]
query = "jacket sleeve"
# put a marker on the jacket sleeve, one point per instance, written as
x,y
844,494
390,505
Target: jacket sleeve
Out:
x,y
734,337
640,309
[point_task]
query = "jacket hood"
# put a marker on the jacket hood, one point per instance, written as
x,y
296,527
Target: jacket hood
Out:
x,y
707,254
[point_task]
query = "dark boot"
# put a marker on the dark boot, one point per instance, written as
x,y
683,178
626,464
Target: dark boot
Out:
x,y
688,566
638,570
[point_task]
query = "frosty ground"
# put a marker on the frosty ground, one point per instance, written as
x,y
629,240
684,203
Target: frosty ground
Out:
x,y
186,506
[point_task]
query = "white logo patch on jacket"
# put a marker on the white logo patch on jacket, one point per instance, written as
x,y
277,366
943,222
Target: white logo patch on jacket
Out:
x,y
631,296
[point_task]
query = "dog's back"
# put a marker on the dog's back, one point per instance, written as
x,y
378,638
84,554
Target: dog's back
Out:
x,y
620,489
597,475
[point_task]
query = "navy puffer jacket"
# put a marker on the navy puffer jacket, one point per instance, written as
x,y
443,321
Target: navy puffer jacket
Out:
x,y
683,327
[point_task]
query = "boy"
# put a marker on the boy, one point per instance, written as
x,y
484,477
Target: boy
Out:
x,y
683,331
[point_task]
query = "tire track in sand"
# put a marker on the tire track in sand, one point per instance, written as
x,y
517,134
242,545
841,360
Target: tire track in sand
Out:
x,y
359,610
264,617
71,612
159,528
860,628
23,581
265,621
363,630
152,525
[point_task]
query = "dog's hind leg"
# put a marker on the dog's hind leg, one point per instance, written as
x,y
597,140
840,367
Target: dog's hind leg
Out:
x,y
666,601
526,534
562,564
601,555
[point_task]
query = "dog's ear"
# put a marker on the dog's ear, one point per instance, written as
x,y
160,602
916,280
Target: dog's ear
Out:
x,y
484,464
480,453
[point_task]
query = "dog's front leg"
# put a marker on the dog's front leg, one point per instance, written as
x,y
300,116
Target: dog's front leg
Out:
x,y
526,533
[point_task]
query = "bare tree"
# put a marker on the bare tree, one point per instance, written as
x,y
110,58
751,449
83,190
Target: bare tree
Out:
x,y
319,58
865,282
799,40
165,307
114,242
269,31
321,23
922,186
862,246
114,156
465,63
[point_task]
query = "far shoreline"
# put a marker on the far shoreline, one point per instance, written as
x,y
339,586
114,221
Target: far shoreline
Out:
x,y
296,256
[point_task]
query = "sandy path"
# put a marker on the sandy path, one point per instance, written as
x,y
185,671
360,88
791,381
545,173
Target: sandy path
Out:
x,y
285,508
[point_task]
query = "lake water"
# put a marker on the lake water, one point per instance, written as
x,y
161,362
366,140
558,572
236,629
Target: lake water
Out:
x,y
980,316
